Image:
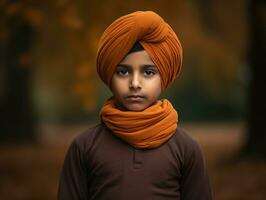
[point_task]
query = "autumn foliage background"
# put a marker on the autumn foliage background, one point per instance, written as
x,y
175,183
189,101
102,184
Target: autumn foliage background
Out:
x,y
53,45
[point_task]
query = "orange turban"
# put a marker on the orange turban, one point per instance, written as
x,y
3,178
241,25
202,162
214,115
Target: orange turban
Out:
x,y
152,32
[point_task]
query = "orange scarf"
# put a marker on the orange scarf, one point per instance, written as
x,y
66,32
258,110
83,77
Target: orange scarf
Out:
x,y
146,129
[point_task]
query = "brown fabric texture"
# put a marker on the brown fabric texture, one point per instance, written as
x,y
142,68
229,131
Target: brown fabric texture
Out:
x,y
152,32
99,166
147,129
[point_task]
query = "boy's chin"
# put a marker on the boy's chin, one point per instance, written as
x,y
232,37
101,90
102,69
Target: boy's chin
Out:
x,y
135,108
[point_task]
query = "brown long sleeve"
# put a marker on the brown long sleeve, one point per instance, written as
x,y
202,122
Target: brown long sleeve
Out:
x,y
73,182
98,165
195,181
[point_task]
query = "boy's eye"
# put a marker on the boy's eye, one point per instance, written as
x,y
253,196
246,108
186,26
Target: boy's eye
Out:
x,y
122,72
149,72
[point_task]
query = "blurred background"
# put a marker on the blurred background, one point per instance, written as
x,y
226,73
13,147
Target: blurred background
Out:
x,y
50,91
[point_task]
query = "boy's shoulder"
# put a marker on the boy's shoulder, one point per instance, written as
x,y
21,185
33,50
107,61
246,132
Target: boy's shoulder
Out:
x,y
86,137
183,136
185,142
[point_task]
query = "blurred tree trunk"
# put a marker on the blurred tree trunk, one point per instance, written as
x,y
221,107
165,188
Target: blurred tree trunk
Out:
x,y
16,116
256,124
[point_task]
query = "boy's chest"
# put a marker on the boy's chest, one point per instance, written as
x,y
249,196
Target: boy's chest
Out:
x,y
111,158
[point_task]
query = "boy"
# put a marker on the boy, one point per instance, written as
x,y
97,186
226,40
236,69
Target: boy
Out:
x,y
137,151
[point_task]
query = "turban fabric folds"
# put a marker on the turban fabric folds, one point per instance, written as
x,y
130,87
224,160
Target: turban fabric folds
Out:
x,y
154,35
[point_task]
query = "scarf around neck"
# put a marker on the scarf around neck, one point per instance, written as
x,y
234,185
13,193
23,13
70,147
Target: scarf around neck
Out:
x,y
149,128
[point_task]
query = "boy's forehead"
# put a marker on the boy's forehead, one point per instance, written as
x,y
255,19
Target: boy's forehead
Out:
x,y
138,57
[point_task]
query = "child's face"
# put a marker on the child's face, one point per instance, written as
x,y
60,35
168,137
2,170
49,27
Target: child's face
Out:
x,y
136,83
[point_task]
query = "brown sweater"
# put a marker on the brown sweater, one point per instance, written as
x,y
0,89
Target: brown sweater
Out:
x,y
100,166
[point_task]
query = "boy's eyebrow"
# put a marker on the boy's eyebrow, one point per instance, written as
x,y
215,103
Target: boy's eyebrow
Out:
x,y
123,65
149,66
145,65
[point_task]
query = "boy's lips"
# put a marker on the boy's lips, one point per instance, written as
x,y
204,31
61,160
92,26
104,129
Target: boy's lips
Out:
x,y
135,97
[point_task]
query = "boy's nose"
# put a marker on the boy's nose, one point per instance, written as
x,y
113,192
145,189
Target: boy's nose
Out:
x,y
135,82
